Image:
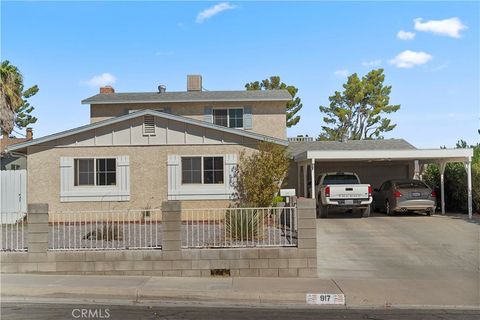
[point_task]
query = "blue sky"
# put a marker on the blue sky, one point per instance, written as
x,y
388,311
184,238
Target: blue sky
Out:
x,y
63,46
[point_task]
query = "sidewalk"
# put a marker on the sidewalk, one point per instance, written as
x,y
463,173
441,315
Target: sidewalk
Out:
x,y
380,293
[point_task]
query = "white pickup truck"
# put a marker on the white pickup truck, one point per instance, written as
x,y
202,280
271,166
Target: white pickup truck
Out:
x,y
342,190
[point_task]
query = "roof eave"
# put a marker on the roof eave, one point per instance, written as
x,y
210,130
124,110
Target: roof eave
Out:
x,y
87,101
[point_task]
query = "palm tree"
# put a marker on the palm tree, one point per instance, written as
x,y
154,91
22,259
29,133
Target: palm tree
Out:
x,y
10,95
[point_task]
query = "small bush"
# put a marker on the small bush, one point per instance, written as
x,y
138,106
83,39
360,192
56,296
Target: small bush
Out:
x,y
244,224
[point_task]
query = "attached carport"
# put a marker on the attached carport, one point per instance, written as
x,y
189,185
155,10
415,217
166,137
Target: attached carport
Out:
x,y
390,159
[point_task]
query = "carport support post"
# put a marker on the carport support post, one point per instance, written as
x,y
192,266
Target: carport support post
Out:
x,y
305,180
442,185
468,167
313,178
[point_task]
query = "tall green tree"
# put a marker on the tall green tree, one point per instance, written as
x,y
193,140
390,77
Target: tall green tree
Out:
x,y
358,112
274,83
15,110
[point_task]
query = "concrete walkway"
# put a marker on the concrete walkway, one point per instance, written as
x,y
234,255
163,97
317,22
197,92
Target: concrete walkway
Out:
x,y
232,291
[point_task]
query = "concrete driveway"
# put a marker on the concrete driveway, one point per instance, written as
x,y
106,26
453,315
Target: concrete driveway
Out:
x,y
390,258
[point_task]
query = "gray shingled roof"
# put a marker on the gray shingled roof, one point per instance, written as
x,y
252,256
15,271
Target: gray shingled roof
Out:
x,y
296,148
189,96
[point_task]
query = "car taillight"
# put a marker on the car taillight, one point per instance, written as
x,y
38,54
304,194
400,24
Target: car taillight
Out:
x,y
327,191
397,194
369,191
433,194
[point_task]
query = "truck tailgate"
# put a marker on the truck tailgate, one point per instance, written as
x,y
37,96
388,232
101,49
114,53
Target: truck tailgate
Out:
x,y
346,191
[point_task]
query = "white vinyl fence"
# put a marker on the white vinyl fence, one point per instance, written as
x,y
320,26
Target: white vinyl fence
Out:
x,y
13,195
239,227
106,230
13,235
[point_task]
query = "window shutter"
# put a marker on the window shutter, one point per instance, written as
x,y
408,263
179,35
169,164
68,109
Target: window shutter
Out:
x,y
123,177
173,175
148,125
66,175
247,117
208,115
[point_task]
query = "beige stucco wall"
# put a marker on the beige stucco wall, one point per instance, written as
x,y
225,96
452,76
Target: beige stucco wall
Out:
x,y
148,174
268,116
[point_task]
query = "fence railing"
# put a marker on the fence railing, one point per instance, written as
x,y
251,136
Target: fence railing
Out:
x,y
13,231
106,230
239,227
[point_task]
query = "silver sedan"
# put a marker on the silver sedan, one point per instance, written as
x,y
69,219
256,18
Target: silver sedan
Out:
x,y
403,196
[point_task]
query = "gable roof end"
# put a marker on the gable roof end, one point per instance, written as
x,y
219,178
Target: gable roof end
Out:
x,y
136,114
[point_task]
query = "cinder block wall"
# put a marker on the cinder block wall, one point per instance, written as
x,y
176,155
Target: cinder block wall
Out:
x,y
172,260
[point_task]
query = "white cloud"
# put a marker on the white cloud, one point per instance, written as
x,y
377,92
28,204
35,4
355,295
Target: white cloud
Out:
x,y
447,27
372,63
342,73
101,80
408,59
212,11
405,35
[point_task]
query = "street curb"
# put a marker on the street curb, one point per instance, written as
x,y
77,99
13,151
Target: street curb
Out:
x,y
223,304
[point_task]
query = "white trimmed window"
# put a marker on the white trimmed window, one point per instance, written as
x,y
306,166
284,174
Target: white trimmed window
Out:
x,y
231,117
202,170
95,172
94,179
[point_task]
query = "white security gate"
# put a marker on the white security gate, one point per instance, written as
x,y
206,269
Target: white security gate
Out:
x,y
13,195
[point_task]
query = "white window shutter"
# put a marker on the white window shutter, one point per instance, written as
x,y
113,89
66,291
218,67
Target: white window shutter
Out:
x,y
247,117
123,177
66,175
208,114
174,175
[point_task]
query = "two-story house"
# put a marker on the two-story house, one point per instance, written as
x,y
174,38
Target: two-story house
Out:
x,y
147,147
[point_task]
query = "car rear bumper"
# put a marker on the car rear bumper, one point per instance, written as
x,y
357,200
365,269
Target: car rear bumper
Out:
x,y
413,205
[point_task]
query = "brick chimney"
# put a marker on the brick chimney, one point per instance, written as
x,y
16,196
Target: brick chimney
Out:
x,y
29,134
107,89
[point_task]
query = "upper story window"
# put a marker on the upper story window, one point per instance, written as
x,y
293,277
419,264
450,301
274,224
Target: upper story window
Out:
x,y
202,170
95,172
232,117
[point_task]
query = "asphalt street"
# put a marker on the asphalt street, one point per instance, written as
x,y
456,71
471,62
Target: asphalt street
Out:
x,y
25,311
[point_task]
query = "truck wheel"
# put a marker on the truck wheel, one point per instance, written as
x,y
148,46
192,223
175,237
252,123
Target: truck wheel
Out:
x,y
323,210
366,212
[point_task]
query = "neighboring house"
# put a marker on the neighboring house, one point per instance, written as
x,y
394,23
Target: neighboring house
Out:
x,y
141,149
9,161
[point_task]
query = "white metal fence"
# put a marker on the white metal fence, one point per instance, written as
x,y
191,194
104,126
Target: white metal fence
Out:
x,y
13,232
239,227
106,230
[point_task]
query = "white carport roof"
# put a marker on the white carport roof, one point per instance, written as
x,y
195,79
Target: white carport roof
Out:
x,y
306,153
422,155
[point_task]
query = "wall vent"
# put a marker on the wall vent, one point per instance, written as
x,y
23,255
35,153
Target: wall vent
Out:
x,y
148,125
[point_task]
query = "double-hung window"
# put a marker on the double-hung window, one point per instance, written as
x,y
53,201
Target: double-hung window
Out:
x,y
231,117
95,172
202,170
